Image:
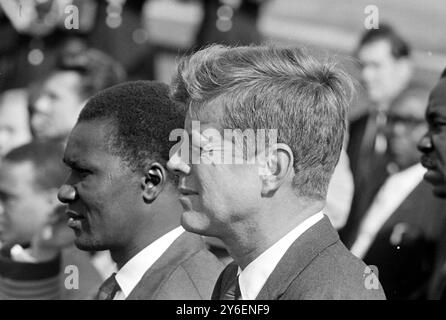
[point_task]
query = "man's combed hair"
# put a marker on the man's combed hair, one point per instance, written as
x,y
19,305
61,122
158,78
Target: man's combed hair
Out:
x,y
142,116
267,87
398,46
46,158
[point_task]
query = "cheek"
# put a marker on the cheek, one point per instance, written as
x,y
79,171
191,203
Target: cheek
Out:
x,y
439,143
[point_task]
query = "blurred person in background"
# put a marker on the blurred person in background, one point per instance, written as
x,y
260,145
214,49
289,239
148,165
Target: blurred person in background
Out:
x,y
386,73
340,192
433,147
34,32
403,226
78,75
229,22
14,120
37,245
121,198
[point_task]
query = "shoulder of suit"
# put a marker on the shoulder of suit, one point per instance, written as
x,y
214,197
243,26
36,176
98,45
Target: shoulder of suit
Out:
x,y
335,273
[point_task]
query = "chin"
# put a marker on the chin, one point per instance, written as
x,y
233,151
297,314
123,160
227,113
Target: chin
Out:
x,y
440,191
88,244
194,222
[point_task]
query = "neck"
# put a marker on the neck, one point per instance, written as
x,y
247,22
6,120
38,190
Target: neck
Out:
x,y
251,238
164,216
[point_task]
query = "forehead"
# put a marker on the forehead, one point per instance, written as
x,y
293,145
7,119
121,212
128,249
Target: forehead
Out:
x,y
437,98
208,114
62,81
88,141
376,50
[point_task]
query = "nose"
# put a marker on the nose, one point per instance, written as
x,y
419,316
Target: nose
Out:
x,y
425,144
67,194
177,165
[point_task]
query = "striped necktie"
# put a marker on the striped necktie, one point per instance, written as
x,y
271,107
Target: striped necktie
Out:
x,y
233,292
108,289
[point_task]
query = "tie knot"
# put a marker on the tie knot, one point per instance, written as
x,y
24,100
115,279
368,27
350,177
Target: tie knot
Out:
x,y
109,288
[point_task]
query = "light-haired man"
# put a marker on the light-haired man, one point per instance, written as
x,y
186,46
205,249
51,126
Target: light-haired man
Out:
x,y
267,210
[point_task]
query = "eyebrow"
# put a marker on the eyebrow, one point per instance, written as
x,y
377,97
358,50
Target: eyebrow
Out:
x,y
434,114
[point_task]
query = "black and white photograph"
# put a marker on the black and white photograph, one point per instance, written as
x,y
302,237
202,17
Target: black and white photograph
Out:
x,y
215,150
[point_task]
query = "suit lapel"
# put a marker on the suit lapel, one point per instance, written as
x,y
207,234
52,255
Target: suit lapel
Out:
x,y
301,253
181,249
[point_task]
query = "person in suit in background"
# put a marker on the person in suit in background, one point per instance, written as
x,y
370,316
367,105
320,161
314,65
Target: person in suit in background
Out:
x,y
386,73
265,204
79,73
14,122
37,244
403,226
433,147
121,198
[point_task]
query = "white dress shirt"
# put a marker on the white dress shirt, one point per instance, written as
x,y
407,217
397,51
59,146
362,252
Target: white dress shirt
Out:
x,y
390,196
254,276
132,272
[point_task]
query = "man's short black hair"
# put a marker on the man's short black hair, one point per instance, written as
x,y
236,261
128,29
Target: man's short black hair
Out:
x,y
142,116
98,70
46,158
399,47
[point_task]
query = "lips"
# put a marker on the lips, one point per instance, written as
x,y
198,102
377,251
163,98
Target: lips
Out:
x,y
74,219
186,191
428,163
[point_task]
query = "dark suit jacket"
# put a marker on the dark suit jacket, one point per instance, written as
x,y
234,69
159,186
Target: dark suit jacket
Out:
x,y
369,171
316,266
404,249
369,168
186,271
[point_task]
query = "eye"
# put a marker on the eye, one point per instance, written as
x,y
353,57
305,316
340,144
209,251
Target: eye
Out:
x,y
82,173
437,125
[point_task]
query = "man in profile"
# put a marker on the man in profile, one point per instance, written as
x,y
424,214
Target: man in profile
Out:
x,y
433,148
121,198
267,209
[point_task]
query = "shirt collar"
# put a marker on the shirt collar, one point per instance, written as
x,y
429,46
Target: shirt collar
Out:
x,y
254,276
132,272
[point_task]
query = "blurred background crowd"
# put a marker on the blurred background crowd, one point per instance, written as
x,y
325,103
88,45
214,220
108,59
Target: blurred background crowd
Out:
x,y
377,199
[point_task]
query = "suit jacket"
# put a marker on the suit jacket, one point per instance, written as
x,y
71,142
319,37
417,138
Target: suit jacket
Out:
x,y
316,266
369,168
186,271
369,171
404,249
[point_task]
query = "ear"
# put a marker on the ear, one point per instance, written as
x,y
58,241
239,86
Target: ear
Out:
x,y
277,168
153,181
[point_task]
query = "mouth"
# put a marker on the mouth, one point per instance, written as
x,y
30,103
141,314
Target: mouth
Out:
x,y
187,192
428,163
74,219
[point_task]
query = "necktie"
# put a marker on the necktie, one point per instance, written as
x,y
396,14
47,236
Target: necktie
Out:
x,y
108,289
233,292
